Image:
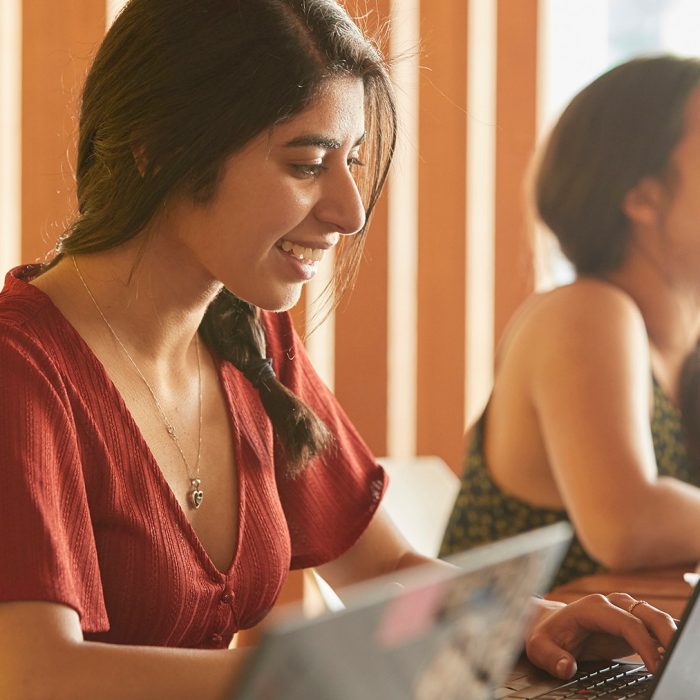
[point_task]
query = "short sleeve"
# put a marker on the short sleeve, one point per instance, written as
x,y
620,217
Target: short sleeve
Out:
x,y
331,503
49,550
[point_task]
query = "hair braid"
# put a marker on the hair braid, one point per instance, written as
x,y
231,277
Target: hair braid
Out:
x,y
232,328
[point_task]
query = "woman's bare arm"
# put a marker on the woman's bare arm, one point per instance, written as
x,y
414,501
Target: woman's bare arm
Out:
x,y
380,550
43,657
590,383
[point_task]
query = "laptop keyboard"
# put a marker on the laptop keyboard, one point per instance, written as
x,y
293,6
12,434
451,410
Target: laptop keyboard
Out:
x,y
613,681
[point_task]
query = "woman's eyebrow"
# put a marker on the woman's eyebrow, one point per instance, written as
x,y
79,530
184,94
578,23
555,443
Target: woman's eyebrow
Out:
x,y
326,142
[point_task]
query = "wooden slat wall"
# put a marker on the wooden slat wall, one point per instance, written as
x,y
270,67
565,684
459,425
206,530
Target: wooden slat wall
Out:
x,y
516,128
58,39
442,229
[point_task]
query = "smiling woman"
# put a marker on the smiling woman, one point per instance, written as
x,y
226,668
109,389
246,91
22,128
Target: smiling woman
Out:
x,y
176,421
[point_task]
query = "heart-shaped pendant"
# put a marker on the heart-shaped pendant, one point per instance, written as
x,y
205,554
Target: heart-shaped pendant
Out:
x,y
196,494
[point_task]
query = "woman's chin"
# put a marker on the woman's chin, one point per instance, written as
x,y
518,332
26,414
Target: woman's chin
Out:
x,y
284,300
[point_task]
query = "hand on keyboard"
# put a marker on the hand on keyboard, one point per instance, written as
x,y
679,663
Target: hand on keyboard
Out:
x,y
596,626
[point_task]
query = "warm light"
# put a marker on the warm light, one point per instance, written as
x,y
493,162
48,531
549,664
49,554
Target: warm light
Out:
x,y
112,10
481,182
10,132
402,287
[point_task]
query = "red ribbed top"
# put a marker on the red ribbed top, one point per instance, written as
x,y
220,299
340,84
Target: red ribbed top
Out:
x,y
88,520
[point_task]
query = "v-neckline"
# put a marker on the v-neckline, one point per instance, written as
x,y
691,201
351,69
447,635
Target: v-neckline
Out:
x,y
156,472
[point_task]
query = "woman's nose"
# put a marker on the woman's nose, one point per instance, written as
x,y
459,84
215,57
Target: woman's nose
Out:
x,y
341,206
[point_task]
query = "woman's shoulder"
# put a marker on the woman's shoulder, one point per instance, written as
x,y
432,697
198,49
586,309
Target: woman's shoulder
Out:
x,y
34,336
573,320
586,295
27,310
591,304
20,302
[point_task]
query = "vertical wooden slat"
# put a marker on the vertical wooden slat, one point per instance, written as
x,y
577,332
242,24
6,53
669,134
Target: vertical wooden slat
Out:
x,y
442,235
481,167
516,133
10,131
361,340
402,204
58,41
361,319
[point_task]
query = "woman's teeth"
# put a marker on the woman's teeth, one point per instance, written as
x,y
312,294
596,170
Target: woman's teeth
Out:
x,y
302,253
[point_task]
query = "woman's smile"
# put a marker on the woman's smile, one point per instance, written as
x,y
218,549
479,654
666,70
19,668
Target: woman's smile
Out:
x,y
301,252
301,260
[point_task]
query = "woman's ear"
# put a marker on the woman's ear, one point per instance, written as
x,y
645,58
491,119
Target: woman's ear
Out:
x,y
643,204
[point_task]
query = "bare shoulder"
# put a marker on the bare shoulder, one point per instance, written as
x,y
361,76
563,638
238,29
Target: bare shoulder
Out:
x,y
592,305
587,297
585,319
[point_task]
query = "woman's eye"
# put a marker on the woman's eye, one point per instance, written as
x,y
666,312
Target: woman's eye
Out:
x,y
308,169
355,162
313,170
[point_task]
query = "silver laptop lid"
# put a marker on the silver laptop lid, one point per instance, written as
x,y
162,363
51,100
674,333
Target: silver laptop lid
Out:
x,y
426,633
678,677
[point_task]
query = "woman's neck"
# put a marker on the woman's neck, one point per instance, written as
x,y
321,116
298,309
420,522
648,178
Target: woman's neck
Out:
x,y
152,296
669,306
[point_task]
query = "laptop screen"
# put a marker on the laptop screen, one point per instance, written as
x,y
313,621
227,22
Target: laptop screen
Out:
x,y
677,678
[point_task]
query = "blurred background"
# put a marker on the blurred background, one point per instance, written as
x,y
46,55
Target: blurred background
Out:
x,y
452,250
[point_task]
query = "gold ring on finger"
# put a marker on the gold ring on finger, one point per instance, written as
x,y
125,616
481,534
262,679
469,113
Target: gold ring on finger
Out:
x,y
635,603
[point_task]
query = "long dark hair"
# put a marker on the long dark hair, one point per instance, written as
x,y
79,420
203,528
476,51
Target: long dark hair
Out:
x,y
188,83
618,130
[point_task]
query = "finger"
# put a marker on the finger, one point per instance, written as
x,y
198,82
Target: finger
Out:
x,y
544,652
622,600
661,625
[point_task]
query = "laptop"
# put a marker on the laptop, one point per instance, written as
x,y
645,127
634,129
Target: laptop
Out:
x,y
676,679
427,633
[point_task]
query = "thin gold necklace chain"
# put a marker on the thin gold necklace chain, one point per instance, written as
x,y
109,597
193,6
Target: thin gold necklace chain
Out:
x,y
196,495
